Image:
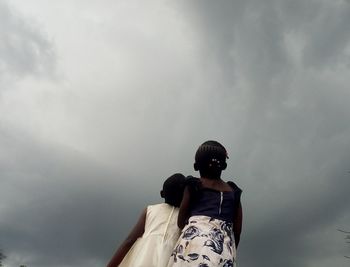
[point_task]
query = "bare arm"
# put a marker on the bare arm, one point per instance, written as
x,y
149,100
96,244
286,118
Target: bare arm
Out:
x,y
135,233
237,225
184,209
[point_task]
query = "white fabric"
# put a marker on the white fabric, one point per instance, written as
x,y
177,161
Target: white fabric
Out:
x,y
153,249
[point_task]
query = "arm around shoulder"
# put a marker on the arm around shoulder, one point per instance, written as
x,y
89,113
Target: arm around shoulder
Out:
x,y
135,233
184,209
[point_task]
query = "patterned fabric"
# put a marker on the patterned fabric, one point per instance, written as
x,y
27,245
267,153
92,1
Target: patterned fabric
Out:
x,y
205,242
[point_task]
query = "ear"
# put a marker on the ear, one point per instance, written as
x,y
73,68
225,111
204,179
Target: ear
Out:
x,y
195,166
162,194
224,166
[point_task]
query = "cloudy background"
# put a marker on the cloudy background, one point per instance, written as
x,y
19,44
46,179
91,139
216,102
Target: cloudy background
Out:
x,y
102,100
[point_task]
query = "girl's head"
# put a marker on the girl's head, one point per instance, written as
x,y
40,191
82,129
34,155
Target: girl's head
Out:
x,y
210,159
173,189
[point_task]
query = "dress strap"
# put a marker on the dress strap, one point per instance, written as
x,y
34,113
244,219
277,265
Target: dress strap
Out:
x,y
167,223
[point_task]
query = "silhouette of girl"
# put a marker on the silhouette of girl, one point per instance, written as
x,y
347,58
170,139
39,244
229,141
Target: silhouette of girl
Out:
x,y
210,214
152,239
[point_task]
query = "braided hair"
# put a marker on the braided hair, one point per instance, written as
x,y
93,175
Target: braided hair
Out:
x,y
210,159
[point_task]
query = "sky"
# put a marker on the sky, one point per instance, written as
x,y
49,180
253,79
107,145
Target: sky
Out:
x,y
100,101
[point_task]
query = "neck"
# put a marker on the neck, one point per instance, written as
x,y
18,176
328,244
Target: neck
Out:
x,y
211,178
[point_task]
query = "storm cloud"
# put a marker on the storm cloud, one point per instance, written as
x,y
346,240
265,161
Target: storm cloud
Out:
x,y
101,101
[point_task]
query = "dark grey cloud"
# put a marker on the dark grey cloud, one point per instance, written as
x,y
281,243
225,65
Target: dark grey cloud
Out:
x,y
57,204
266,78
290,143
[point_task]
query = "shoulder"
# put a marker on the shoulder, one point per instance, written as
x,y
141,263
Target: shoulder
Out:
x,y
159,206
156,206
235,187
152,207
193,184
192,180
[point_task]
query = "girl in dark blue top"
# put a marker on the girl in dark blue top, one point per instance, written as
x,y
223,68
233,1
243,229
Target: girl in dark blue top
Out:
x,y
210,214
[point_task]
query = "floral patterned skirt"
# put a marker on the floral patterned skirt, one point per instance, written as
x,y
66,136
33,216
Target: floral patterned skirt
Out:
x,y
205,242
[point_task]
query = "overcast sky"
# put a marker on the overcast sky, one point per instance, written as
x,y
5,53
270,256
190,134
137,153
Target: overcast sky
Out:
x,y
100,101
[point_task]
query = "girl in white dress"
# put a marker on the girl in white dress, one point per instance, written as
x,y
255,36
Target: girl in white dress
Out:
x,y
153,238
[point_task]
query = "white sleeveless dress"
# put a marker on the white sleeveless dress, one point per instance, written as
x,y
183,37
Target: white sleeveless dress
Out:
x,y
154,248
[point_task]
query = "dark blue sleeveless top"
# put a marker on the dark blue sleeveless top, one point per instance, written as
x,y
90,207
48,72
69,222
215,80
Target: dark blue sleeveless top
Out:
x,y
213,203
